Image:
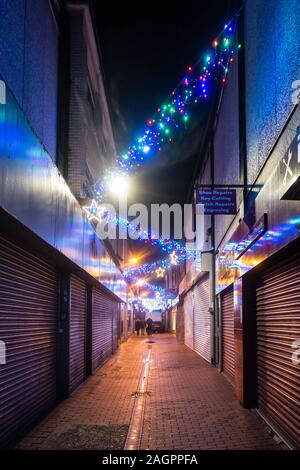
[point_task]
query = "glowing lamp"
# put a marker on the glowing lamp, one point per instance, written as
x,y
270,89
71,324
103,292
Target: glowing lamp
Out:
x,y
118,185
146,149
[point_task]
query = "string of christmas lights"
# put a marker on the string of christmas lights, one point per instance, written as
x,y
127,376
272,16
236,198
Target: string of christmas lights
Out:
x,y
154,288
174,259
96,212
160,130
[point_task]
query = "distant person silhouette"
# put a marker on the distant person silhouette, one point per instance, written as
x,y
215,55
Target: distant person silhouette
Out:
x,y
149,326
137,327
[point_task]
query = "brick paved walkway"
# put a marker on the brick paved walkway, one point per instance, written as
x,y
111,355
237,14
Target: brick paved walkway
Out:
x,y
98,414
190,406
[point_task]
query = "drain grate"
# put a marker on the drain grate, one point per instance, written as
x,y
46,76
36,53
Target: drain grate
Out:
x,y
140,394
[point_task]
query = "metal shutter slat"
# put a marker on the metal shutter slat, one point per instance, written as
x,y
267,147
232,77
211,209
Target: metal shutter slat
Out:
x,y
28,322
228,348
202,320
278,325
77,332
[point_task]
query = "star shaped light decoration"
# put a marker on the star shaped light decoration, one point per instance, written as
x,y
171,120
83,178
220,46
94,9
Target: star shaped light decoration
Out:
x,y
173,258
94,211
160,272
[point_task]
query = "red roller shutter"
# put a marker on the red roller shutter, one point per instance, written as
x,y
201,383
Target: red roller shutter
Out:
x,y
202,320
228,348
28,321
102,328
77,332
278,328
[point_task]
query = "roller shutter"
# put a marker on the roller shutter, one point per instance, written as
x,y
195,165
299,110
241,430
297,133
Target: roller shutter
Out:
x,y
188,320
278,333
228,347
102,328
28,322
202,320
77,333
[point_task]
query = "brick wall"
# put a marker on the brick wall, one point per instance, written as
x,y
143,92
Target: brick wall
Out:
x,y
78,94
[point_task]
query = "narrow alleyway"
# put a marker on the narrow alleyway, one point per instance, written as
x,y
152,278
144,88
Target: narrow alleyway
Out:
x,y
186,404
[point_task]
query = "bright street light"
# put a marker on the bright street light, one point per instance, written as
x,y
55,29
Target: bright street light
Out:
x,y
118,185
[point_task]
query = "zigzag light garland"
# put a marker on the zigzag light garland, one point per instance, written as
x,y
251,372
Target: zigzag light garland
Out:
x,y
161,129
175,113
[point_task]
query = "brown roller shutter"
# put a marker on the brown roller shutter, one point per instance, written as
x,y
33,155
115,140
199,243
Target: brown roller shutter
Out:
x,y
28,312
77,333
228,348
102,328
278,327
202,319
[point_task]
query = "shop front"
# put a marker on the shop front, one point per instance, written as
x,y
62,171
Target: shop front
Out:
x,y
60,288
198,324
258,279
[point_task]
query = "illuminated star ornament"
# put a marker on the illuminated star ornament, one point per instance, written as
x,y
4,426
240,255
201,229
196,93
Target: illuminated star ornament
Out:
x,y
160,272
94,211
173,258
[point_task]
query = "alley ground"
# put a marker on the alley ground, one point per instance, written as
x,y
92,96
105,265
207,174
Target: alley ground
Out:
x,y
184,404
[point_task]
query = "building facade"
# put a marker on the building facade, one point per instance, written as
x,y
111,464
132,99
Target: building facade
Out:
x,y
63,308
241,303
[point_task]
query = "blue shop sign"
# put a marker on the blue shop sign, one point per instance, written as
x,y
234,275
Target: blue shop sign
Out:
x,y
217,201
